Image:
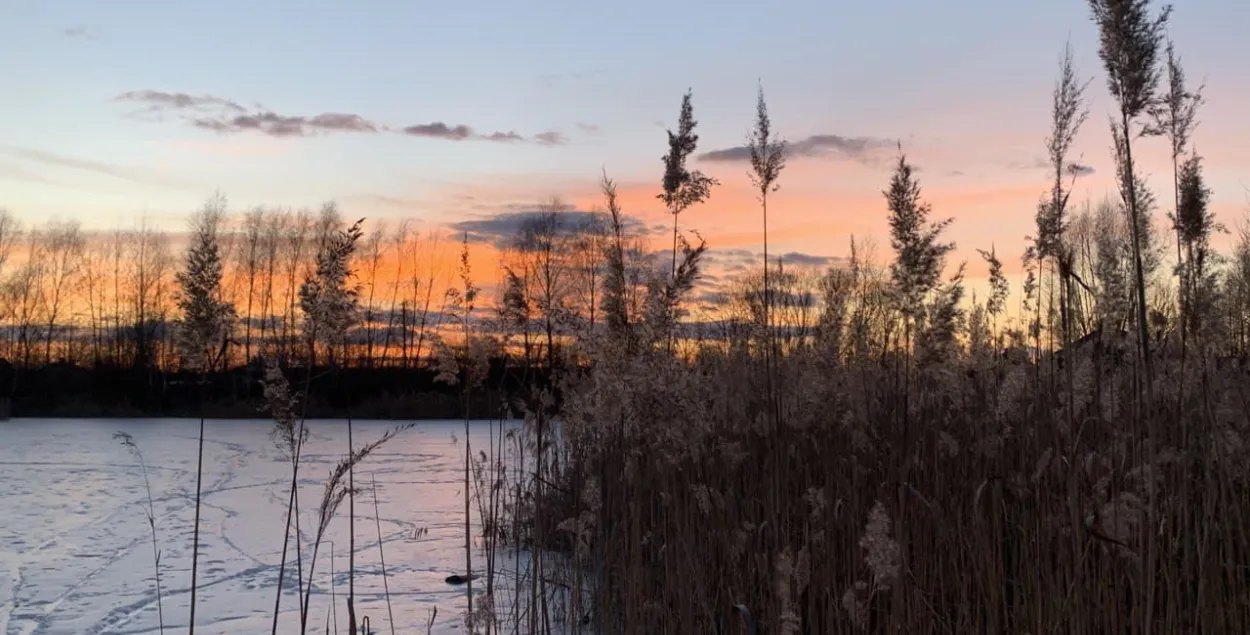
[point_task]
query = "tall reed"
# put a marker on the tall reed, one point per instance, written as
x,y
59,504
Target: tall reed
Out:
x,y
335,491
129,442
386,587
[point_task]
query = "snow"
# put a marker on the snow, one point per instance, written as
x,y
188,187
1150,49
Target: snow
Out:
x,y
76,551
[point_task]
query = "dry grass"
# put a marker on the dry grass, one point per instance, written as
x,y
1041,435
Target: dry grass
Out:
x,y
958,501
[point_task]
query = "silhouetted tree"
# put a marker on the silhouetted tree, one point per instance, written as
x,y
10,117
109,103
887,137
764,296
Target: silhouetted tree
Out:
x,y
147,259
541,253
374,251
61,253
295,249
276,224
205,319
249,263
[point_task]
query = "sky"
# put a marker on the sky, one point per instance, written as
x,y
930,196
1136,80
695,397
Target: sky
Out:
x,y
454,113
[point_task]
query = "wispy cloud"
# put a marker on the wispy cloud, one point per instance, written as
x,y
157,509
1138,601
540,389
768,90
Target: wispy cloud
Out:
x,y
86,165
80,32
868,150
156,100
507,137
1039,163
440,130
1080,169
276,125
12,172
806,260
550,80
551,138
399,202
737,260
227,116
502,229
462,132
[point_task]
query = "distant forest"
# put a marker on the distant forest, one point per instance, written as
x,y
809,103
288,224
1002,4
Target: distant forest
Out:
x,y
90,321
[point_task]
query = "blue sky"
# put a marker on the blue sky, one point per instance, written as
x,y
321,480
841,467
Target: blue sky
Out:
x,y
965,86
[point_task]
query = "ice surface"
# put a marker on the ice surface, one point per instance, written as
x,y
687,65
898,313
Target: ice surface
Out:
x,y
76,552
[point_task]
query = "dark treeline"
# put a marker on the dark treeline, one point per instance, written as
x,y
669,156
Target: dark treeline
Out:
x,y
109,299
91,320
65,390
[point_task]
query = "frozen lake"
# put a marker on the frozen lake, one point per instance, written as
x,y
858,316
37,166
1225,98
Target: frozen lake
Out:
x,y
75,547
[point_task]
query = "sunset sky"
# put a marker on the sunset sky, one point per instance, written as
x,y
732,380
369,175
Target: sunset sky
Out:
x,y
457,113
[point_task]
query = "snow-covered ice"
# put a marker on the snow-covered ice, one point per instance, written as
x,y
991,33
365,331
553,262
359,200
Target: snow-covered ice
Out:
x,y
76,552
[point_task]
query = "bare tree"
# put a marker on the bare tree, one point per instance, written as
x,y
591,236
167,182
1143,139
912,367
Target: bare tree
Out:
x,y
295,249
276,223
119,239
399,241
586,261
10,236
414,328
541,260
95,289
327,226
148,260
426,249
61,254
373,253
249,264
24,290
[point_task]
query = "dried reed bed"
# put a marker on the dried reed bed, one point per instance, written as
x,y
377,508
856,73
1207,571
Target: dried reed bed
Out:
x,y
961,500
